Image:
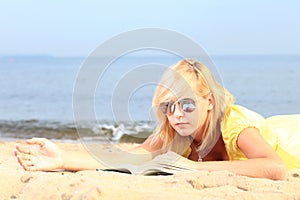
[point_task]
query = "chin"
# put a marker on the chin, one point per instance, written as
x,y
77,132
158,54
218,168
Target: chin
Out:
x,y
184,133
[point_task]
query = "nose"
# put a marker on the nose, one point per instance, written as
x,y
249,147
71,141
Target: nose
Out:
x,y
178,112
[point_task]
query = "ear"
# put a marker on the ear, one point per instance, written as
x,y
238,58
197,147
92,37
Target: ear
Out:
x,y
211,101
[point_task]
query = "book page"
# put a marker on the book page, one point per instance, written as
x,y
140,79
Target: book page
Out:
x,y
165,164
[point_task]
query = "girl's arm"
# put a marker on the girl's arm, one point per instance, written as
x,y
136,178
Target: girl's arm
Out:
x,y
40,154
262,162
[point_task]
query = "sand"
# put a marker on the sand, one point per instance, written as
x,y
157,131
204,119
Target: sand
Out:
x,y
15,183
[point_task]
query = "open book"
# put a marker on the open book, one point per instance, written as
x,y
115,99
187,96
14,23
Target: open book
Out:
x,y
166,164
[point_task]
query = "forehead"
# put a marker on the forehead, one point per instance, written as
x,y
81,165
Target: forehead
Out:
x,y
178,91
176,85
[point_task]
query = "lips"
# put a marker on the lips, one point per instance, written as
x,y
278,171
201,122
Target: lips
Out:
x,y
180,124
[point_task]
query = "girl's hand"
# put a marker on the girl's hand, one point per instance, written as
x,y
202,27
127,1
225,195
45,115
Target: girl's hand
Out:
x,y
39,154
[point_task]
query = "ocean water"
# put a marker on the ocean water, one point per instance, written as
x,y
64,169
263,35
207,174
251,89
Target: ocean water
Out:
x,y
36,93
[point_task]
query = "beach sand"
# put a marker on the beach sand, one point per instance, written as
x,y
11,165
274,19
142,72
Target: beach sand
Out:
x,y
15,183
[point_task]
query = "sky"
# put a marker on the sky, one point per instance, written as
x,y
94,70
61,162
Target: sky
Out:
x,y
76,28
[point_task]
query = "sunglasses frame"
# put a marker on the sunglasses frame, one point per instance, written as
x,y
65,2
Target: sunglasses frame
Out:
x,y
168,108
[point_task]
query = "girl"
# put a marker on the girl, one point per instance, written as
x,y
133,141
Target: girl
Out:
x,y
198,120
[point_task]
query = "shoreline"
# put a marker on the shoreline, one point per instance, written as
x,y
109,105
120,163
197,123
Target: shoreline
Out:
x,y
15,183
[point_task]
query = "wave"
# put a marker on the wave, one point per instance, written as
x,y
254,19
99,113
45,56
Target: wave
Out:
x,y
103,132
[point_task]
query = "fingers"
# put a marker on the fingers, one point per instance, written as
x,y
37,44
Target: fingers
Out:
x,y
25,153
28,166
22,156
26,161
37,141
23,149
31,145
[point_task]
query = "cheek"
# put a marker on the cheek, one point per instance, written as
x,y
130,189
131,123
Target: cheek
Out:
x,y
195,114
198,117
170,119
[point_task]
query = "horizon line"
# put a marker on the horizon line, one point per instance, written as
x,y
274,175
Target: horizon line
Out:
x,y
146,55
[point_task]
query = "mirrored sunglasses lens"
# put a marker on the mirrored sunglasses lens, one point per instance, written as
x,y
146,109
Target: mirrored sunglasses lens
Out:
x,y
171,107
188,105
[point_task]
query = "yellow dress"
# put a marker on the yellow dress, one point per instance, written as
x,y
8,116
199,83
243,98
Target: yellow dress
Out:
x,y
282,132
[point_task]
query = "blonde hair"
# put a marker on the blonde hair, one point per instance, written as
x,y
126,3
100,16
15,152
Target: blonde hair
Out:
x,y
184,75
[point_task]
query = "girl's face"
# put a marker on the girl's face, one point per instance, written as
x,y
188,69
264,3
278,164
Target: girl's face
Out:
x,y
187,119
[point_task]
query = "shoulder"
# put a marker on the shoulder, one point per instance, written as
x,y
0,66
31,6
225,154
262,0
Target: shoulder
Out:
x,y
236,119
241,110
241,115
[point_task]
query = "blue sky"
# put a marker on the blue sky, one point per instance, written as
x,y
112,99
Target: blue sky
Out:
x,y
75,28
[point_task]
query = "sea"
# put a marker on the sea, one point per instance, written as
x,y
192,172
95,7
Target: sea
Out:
x,y
37,93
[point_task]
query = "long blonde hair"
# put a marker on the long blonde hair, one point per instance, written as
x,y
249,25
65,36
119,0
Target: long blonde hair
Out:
x,y
187,74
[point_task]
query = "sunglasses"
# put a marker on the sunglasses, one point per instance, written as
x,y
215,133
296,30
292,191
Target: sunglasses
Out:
x,y
187,105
